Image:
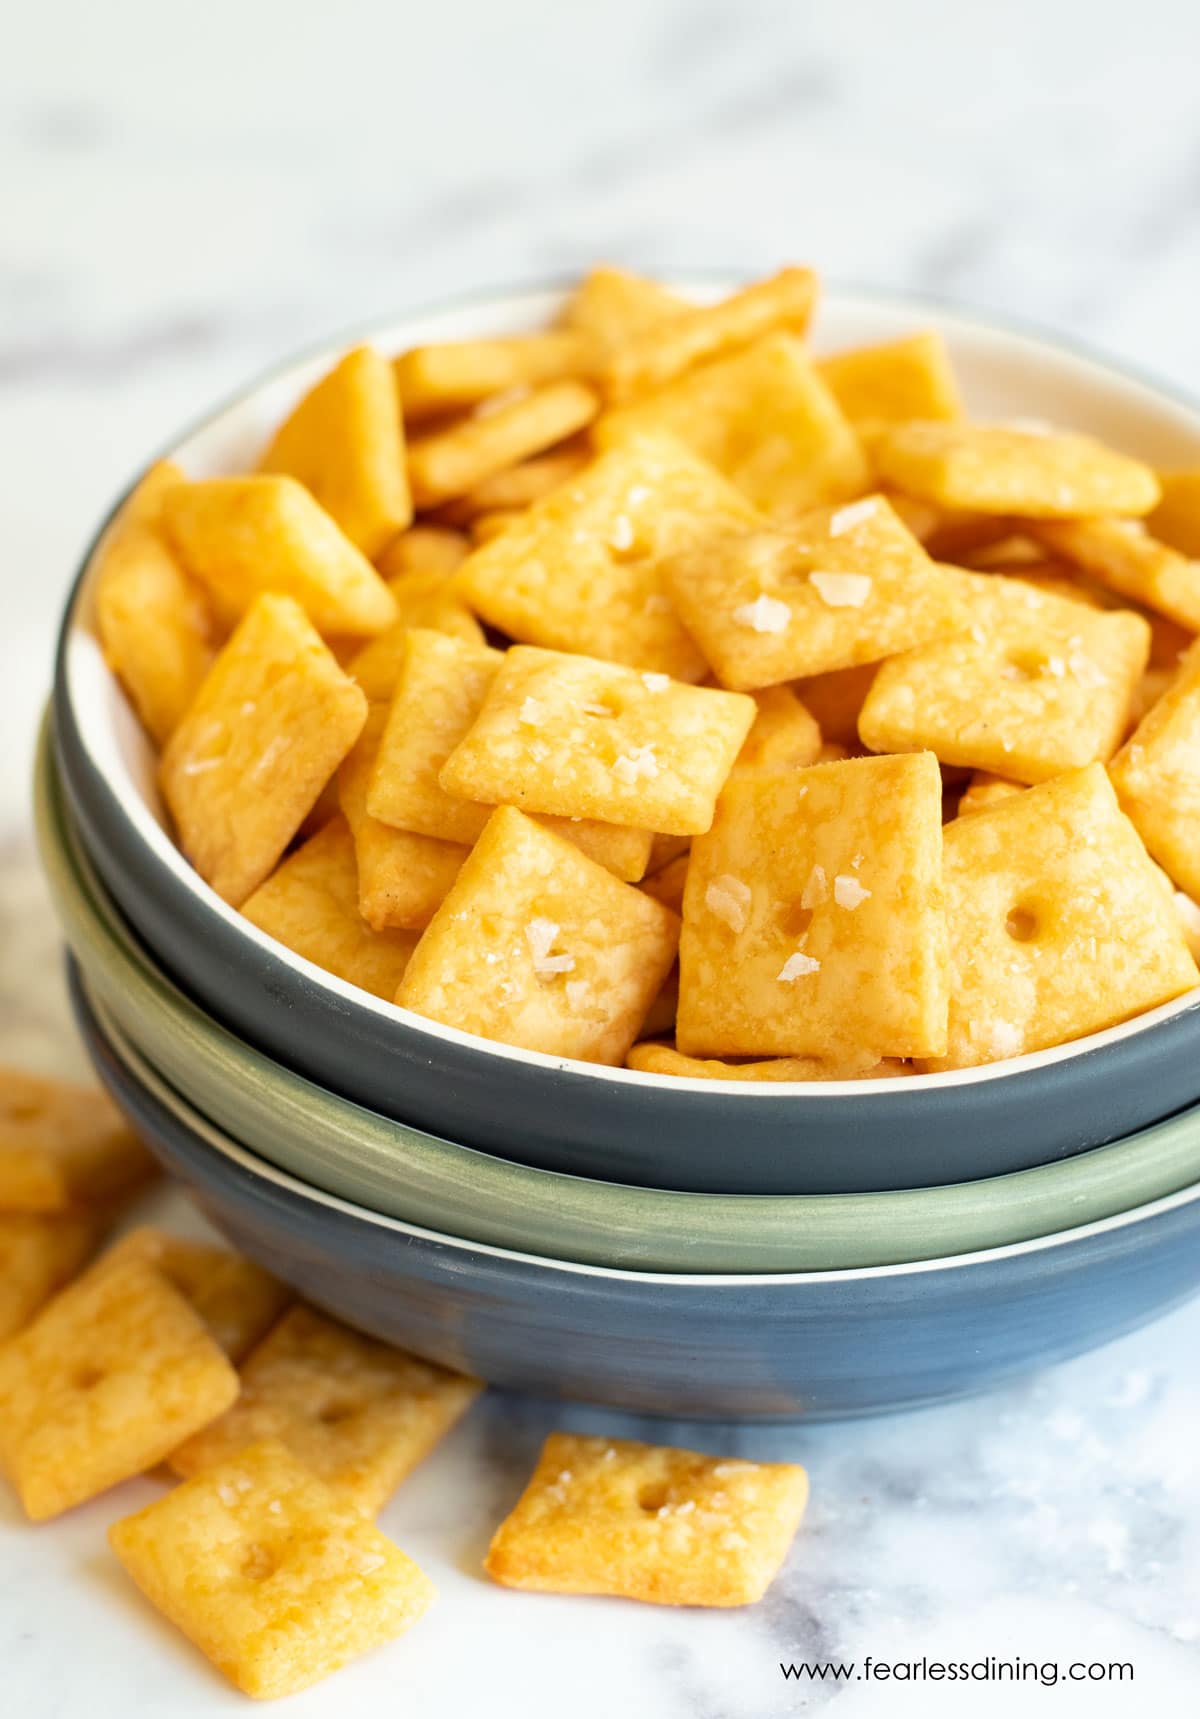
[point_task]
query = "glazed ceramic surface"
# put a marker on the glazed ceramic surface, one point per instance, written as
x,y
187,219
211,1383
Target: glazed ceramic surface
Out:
x,y
345,1150
575,1117
779,1347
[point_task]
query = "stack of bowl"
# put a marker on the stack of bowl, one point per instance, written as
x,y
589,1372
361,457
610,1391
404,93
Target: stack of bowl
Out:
x,y
681,1247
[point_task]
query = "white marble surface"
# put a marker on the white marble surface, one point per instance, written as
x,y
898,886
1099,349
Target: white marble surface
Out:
x,y
186,193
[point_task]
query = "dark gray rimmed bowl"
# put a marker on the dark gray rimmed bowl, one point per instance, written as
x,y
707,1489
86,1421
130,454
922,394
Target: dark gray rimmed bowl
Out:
x,y
783,1347
616,1125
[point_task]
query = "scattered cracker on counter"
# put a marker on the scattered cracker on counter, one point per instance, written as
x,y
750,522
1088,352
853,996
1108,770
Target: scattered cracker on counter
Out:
x,y
627,584
63,1145
648,1522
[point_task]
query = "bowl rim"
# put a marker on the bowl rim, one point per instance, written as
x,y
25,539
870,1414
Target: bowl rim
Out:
x,y
225,1147
160,850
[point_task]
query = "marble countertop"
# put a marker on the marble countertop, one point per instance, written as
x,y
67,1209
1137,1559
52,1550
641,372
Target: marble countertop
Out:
x,y
188,194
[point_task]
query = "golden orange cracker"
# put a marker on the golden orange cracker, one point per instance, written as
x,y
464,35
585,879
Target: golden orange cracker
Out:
x,y
611,305
62,1144
1001,469
310,904
893,381
270,725
154,622
984,790
1058,924
842,586
1039,685
422,549
520,485
457,373
439,691
1121,554
431,600
649,1522
576,737
667,884
357,1413
345,443
765,419
1176,519
659,1019
38,1255
699,334
663,849
650,1058
813,921
449,462
111,1375
580,571
784,734
538,946
619,849
237,1300
835,700
486,526
402,877
1157,776
243,536
276,1578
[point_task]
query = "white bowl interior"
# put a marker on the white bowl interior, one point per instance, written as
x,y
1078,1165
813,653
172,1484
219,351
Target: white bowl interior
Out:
x,y
1004,372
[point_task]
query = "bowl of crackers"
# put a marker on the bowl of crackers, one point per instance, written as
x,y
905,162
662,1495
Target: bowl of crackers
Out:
x,y
596,724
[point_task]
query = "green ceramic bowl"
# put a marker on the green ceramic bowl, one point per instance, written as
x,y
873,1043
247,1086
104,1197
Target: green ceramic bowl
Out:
x,y
356,1155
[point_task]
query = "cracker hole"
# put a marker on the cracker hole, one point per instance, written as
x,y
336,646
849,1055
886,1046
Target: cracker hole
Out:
x,y
653,1496
86,1378
794,919
333,1414
1023,665
1021,925
23,1112
258,1562
601,705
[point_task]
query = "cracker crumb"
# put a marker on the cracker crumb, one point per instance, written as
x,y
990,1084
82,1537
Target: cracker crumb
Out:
x,y
540,935
795,966
841,590
847,518
532,713
227,1494
764,615
729,898
848,892
631,766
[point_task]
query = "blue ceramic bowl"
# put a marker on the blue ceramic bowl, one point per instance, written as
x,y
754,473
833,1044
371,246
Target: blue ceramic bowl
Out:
x,y
818,1345
613,1124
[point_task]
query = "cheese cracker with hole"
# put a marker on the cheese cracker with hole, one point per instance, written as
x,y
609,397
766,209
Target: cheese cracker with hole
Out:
x,y
893,381
1121,554
765,419
241,536
237,1300
270,725
62,1144
1059,926
1157,776
649,1522
112,1375
650,1058
310,904
433,601
538,946
575,737
447,463
995,468
154,622
581,570
358,1413
272,1575
699,334
843,586
454,374
1039,685
812,920
345,443
38,1256
402,877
